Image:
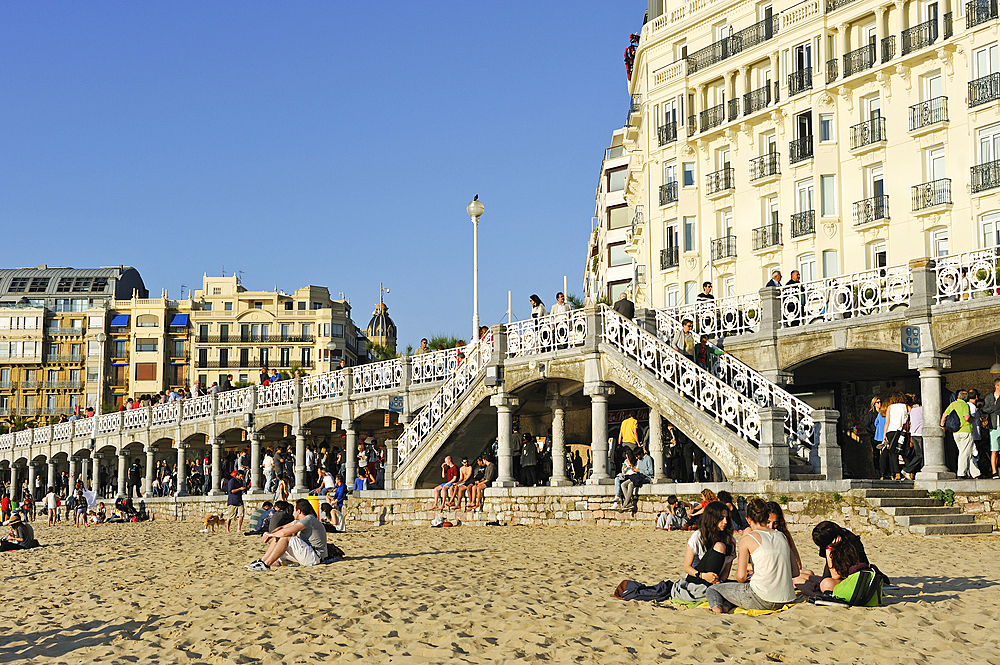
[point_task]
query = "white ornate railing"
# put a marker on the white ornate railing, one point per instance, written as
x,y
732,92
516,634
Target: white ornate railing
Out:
x,y
109,422
847,296
234,401
732,315
197,408
377,376
435,365
165,414
281,393
548,333
415,433
135,418
7,441
324,386
968,275
22,439
62,431
84,427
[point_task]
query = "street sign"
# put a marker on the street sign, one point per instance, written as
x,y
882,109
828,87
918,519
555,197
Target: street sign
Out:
x,y
396,404
909,339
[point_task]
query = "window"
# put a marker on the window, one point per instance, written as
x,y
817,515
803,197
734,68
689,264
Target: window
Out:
x,y
807,267
265,356
177,348
306,356
673,295
986,61
82,284
770,212
228,306
317,305
202,333
616,180
669,172
619,218
285,355
203,380
876,254
223,332
680,50
147,321
259,305
989,144
688,173
289,305
38,285
74,375
52,375
216,290
831,266
306,330
690,292
689,240
934,159
989,225
145,371
615,289
939,243
286,330
76,349
828,195
95,322
244,378
804,195
302,305
338,329
826,127
726,222
146,344
93,349
65,285
670,235
728,286
18,285
206,306
931,88
120,349
326,330
617,255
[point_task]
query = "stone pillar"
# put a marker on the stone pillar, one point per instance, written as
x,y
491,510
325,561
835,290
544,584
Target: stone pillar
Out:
x,y
656,445
254,464
598,393
880,33
73,464
31,478
150,467
122,467
350,455
900,16
772,453
770,323
15,490
845,36
742,87
930,400
52,473
300,462
85,470
826,443
216,467
181,470
558,405
390,464
504,403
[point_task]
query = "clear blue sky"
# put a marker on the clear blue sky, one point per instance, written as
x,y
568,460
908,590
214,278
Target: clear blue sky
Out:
x,y
327,143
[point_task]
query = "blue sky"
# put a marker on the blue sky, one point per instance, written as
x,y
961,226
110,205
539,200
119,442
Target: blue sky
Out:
x,y
326,143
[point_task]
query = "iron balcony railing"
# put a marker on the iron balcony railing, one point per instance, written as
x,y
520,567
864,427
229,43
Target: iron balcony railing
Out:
x,y
668,193
919,36
734,109
859,60
666,133
723,248
986,176
765,166
692,125
720,181
756,34
930,194
251,363
755,100
800,81
63,358
64,331
929,113
253,339
868,132
803,223
30,385
889,48
669,258
712,117
800,149
984,90
640,274
635,105
870,210
833,5
55,385
708,56
949,26
980,11
831,71
766,236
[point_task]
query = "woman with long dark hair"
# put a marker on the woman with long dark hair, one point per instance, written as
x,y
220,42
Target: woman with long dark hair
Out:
x,y
709,556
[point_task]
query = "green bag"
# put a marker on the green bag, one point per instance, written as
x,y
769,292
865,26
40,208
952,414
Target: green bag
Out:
x,y
861,589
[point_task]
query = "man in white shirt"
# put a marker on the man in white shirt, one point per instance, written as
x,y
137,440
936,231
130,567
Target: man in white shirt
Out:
x,y
561,306
51,505
268,470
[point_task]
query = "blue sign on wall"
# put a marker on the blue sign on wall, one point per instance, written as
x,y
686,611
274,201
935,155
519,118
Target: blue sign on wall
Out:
x,y
396,404
909,338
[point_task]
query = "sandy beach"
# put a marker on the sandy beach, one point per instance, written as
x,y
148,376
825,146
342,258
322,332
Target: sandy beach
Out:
x,y
162,592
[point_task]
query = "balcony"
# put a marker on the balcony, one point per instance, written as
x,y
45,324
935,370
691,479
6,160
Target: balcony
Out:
x,y
692,125
62,358
64,331
250,363
929,113
889,48
734,109
931,194
756,34
800,81
919,36
634,110
803,223
800,149
708,56
712,117
766,236
758,99
831,71
765,167
669,258
984,90
668,193
833,5
859,60
666,133
868,134
60,385
254,339
985,176
978,12
30,385
871,210
723,248
720,182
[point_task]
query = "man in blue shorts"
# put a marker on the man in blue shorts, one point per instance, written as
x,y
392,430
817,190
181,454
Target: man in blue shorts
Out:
x,y
450,474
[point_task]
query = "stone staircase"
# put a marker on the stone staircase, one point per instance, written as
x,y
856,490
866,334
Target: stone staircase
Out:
x,y
799,468
913,510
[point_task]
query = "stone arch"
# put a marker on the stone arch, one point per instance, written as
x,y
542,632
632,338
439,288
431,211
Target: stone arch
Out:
x,y
839,365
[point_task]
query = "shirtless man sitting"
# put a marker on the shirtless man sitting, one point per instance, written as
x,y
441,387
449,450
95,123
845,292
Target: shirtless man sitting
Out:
x,y
462,486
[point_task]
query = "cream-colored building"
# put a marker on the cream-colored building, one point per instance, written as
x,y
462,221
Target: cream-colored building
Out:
x,y
827,136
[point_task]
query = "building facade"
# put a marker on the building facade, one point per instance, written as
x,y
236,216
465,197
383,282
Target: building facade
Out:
x,y
762,135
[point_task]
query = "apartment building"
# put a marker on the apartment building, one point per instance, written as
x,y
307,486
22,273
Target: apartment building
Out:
x,y
610,269
53,344
825,136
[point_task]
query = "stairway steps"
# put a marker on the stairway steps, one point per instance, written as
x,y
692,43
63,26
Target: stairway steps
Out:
x,y
902,511
950,529
898,503
806,476
912,520
895,494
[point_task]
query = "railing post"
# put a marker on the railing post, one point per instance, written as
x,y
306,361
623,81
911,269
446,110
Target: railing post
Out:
x,y
770,323
389,479
405,380
772,453
646,319
924,279
826,444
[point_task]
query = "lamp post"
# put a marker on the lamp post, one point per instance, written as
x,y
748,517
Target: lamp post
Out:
x,y
475,210
101,338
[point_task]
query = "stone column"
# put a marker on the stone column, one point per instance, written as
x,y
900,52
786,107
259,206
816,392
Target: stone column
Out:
x,y
300,462
122,467
390,464
72,463
85,470
52,472
558,405
216,467
598,393
845,39
770,323
181,470
504,403
772,453
930,400
656,445
31,478
879,32
901,22
150,466
827,444
15,490
254,464
350,455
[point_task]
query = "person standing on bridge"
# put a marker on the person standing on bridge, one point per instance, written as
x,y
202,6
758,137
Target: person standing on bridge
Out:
x,y
775,280
706,293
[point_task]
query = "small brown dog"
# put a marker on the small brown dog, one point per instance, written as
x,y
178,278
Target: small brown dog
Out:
x,y
212,521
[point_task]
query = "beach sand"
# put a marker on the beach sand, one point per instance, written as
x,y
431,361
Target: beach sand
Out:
x,y
163,592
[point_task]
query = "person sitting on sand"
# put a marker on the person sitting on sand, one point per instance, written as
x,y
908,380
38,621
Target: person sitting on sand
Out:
x,y
339,492
449,472
461,486
827,534
776,521
302,542
20,536
677,516
771,587
707,497
102,513
259,519
735,517
710,553
281,516
332,520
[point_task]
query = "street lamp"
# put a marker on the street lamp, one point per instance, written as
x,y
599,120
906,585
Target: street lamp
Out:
x,y
475,210
101,338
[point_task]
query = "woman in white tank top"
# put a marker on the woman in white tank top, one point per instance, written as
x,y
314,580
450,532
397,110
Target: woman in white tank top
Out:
x,y
771,585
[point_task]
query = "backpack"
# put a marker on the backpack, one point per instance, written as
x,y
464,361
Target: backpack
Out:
x,y
953,423
861,589
632,590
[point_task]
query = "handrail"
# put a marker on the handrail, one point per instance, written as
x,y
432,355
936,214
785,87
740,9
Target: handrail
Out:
x,y
846,296
548,333
967,275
